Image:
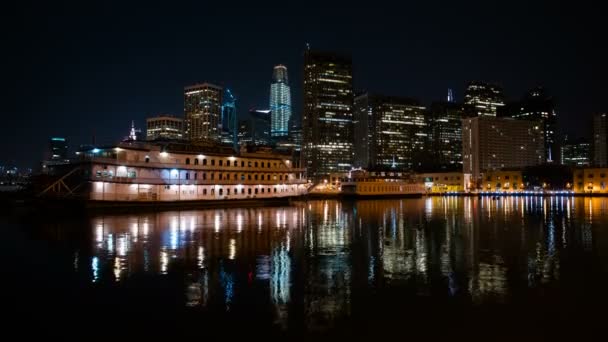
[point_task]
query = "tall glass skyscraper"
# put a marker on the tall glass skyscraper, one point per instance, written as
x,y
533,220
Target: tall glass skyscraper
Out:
x,y
280,102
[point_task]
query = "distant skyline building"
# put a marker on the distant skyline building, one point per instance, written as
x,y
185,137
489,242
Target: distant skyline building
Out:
x,y
362,134
600,140
483,99
450,97
164,127
245,137
576,153
58,148
280,102
295,137
398,131
327,120
446,134
491,143
537,106
229,129
203,112
260,126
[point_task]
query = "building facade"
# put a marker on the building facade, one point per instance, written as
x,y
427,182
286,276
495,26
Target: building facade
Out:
x,y
361,131
593,180
576,153
327,120
58,149
164,127
600,140
398,131
537,106
203,112
503,181
491,143
260,125
280,102
446,133
442,182
483,99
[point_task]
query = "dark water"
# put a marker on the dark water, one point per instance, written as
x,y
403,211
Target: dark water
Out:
x,y
450,267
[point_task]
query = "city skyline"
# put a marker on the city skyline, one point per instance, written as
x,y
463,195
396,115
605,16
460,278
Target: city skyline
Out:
x,y
90,87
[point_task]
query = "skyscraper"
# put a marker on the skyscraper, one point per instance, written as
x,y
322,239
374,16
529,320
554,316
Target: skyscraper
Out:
x,y
327,120
58,148
164,127
280,102
490,143
362,112
203,111
397,133
600,140
229,120
483,99
536,105
259,123
446,134
576,153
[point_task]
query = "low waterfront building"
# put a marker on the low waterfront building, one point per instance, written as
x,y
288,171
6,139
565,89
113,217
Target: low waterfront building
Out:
x,y
503,181
592,180
442,182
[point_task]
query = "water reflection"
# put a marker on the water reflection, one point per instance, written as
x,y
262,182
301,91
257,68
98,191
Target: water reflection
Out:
x,y
311,259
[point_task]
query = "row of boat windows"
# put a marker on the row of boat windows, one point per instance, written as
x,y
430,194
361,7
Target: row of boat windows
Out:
x,y
380,188
226,176
194,175
228,163
235,191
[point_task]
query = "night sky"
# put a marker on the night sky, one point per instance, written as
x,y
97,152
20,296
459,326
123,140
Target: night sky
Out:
x,y
78,70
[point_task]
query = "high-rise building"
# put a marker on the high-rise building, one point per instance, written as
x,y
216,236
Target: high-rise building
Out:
x,y
203,112
260,125
395,135
600,140
537,106
446,134
362,112
58,148
483,99
327,120
280,102
245,137
490,143
229,129
576,153
164,127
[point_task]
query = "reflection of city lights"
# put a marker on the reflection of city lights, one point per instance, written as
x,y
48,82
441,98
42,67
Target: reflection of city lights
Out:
x,y
217,223
110,243
95,268
121,243
201,257
232,249
145,230
174,236
239,222
164,262
99,233
117,269
134,231
259,221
